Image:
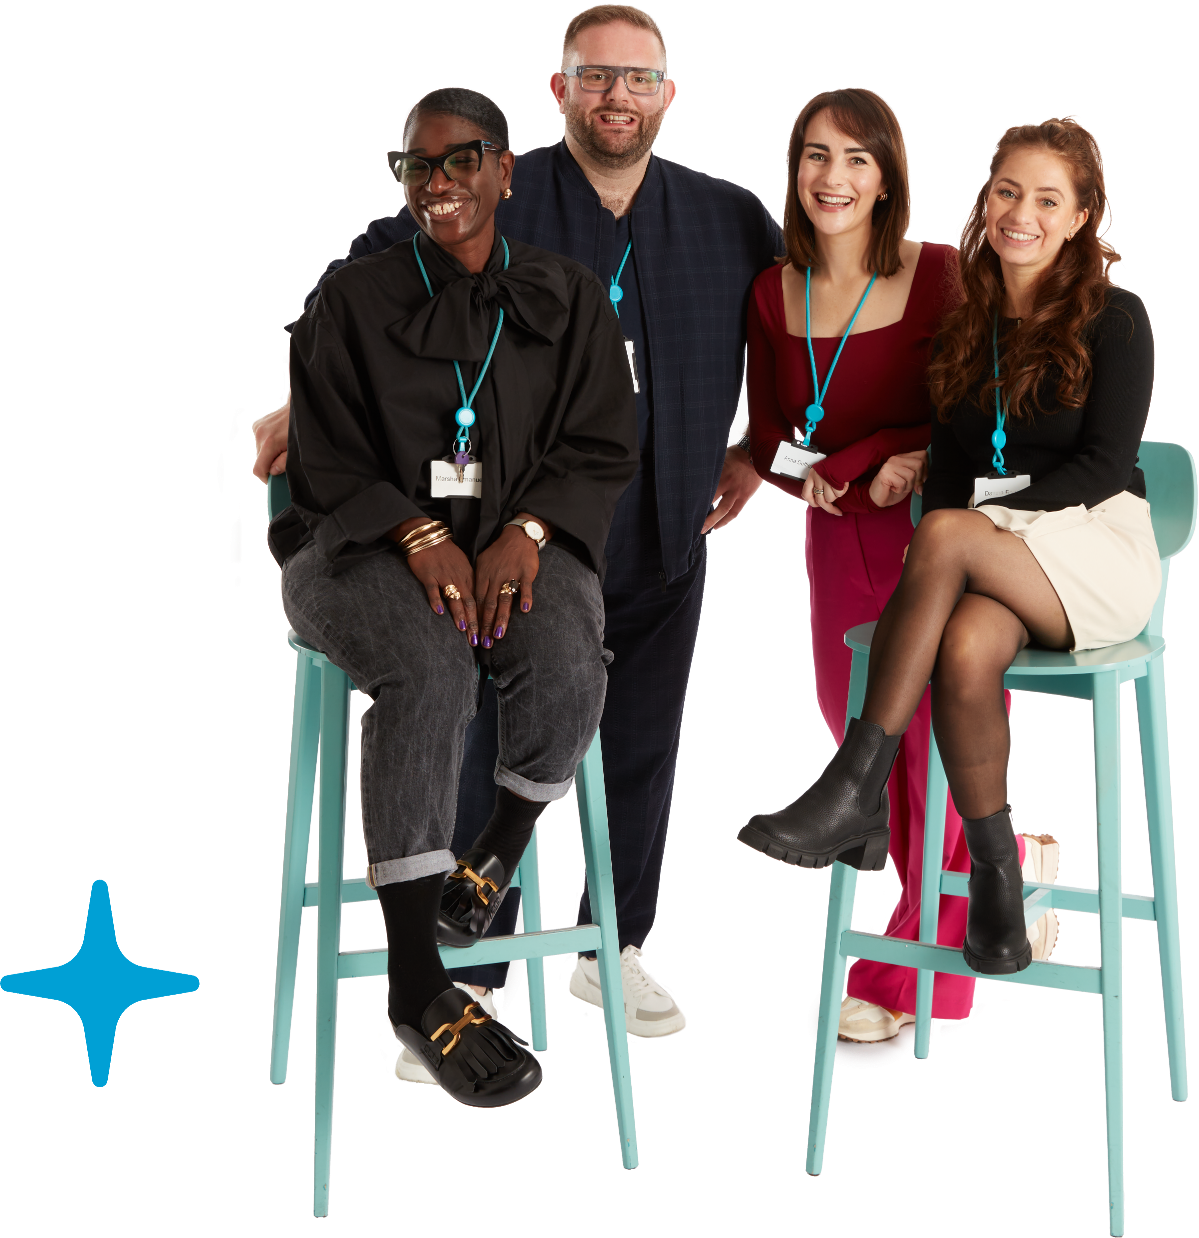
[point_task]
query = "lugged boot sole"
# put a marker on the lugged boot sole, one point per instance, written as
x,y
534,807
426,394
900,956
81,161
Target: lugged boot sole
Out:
x,y
867,854
997,967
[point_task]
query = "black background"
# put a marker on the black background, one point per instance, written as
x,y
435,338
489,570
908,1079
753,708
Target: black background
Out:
x,y
219,175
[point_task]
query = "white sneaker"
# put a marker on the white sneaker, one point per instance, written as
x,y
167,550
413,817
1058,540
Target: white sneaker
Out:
x,y
410,1069
648,1009
865,1023
1041,855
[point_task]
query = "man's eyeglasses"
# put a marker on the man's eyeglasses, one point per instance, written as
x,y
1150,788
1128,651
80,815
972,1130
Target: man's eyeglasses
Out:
x,y
458,164
597,79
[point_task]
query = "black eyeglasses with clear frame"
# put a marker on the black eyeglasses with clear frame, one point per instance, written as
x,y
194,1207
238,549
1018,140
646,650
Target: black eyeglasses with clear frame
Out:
x,y
459,164
598,79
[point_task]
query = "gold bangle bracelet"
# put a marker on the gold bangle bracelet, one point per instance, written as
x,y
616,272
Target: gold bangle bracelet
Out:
x,y
434,539
423,530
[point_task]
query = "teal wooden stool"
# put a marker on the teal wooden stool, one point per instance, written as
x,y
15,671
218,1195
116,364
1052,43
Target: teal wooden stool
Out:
x,y
320,721
1095,675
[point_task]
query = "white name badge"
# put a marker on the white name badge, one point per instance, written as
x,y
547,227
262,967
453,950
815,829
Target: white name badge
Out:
x,y
997,487
445,484
631,352
793,461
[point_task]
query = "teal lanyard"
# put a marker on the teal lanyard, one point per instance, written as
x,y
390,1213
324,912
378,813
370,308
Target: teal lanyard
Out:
x,y
616,292
999,438
465,416
815,412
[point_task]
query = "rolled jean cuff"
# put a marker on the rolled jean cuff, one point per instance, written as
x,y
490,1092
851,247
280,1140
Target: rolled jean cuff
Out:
x,y
409,868
539,792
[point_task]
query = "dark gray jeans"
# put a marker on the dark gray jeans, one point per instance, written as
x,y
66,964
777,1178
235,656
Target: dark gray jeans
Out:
x,y
375,623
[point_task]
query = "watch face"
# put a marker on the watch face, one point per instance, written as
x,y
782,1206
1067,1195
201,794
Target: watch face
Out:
x,y
534,530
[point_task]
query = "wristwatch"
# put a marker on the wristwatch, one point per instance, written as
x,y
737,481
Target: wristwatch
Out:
x,y
743,443
531,530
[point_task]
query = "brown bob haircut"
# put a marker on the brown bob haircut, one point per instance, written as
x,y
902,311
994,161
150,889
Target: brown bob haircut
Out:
x,y
870,122
606,15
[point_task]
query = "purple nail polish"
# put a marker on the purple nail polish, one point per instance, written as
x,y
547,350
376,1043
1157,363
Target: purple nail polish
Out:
x,y
474,640
486,642
524,606
440,611
461,625
499,632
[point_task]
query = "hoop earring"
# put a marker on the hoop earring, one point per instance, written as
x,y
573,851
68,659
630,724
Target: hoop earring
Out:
x,y
506,194
882,197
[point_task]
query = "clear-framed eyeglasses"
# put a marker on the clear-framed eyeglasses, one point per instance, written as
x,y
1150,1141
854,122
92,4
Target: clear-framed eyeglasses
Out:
x,y
458,164
597,79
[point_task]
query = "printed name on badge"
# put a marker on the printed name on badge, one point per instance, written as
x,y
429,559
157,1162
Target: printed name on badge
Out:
x,y
998,487
793,461
443,474
632,355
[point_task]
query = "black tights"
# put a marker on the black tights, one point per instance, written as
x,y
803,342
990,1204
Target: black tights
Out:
x,y
970,598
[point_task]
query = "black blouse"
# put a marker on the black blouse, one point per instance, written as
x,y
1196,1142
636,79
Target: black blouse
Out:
x,y
374,395
1084,455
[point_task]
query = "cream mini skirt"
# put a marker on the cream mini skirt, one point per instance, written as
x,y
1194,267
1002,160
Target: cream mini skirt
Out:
x,y
1102,561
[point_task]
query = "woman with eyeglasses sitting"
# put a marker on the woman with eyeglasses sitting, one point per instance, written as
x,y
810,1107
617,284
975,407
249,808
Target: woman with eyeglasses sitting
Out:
x,y
462,425
1035,527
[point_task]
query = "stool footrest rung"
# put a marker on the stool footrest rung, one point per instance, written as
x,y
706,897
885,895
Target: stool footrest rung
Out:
x,y
1064,898
507,949
355,890
947,959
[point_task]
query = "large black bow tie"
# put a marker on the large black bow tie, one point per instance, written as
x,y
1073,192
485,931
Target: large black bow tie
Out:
x,y
456,323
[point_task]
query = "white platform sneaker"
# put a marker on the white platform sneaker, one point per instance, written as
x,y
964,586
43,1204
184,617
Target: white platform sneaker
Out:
x,y
865,1023
1041,855
412,1071
648,1009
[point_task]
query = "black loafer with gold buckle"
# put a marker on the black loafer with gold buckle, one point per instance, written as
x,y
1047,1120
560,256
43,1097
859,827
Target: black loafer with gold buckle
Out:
x,y
474,1058
472,895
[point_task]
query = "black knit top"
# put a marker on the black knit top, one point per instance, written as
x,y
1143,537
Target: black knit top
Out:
x,y
1073,456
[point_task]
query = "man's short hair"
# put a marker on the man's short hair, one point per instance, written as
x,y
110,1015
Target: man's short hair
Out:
x,y
606,15
467,105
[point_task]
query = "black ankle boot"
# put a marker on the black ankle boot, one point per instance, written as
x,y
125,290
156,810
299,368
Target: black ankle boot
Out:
x,y
843,815
996,937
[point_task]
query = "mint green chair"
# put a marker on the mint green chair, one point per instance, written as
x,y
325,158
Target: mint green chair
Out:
x,y
320,721
1096,676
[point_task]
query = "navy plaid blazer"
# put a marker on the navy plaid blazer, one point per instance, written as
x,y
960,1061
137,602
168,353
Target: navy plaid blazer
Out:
x,y
699,243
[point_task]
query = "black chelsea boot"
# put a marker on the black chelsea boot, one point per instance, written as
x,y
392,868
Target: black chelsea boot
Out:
x,y
996,937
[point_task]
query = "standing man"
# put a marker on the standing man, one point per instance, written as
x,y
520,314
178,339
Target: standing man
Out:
x,y
678,251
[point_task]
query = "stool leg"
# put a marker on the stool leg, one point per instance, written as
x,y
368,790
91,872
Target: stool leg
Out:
x,y
832,979
335,711
935,800
593,816
840,913
305,731
530,910
1106,713
1155,762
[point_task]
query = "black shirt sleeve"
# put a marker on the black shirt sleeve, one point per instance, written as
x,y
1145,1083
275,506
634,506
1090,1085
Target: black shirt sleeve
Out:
x,y
950,481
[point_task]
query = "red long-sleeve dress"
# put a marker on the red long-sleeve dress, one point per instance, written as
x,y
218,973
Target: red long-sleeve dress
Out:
x,y
877,405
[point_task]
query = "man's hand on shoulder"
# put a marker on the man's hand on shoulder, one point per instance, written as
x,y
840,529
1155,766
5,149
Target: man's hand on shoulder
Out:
x,y
270,442
738,482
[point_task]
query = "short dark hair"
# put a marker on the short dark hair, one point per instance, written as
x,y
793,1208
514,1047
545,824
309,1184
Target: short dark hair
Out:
x,y
607,15
466,105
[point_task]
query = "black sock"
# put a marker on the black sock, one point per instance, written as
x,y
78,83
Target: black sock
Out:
x,y
415,975
508,832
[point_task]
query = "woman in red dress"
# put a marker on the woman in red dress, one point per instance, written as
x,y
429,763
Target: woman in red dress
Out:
x,y
848,262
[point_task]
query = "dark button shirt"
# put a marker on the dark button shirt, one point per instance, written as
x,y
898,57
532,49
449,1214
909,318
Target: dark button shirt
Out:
x,y
374,394
698,243
632,322
1073,455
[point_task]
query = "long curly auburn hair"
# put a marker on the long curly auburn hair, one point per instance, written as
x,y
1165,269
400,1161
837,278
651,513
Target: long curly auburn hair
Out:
x,y
1068,299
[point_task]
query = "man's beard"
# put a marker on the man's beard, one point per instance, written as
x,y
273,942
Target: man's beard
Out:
x,y
615,156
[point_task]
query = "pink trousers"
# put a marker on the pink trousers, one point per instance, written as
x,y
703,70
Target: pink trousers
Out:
x,y
854,563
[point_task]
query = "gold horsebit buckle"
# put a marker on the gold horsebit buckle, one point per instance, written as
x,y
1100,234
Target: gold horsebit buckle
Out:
x,y
456,1029
463,871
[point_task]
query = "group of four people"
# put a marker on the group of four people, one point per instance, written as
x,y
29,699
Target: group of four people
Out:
x,y
506,441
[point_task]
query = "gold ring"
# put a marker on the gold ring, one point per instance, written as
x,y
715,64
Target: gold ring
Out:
x,y
820,491
511,587
451,591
